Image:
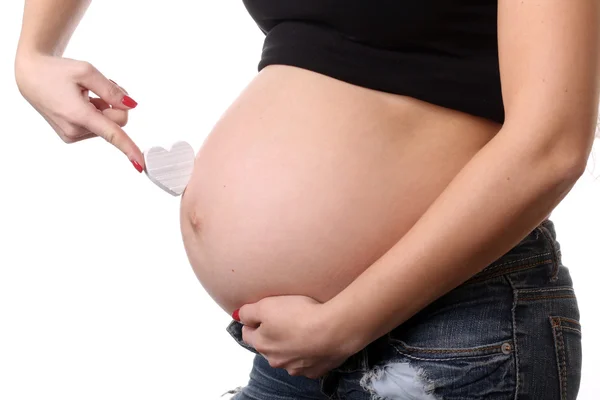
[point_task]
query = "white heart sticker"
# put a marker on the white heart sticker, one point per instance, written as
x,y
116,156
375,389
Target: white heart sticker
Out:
x,y
170,170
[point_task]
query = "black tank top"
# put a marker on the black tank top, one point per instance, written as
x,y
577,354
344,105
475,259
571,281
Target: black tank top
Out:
x,y
444,52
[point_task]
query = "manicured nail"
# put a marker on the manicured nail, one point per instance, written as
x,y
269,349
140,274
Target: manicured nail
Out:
x,y
236,315
137,166
129,102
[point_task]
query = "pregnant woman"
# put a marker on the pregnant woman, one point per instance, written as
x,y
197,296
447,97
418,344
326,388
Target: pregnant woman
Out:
x,y
373,208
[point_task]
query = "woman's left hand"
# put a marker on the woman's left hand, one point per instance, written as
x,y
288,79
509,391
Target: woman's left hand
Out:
x,y
294,333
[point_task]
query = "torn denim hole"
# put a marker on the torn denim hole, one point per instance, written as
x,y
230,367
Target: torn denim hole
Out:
x,y
397,381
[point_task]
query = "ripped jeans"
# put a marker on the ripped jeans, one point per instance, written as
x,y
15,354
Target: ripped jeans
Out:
x,y
511,331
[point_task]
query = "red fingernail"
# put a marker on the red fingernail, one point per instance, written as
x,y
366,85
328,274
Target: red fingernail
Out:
x,y
137,165
129,102
236,315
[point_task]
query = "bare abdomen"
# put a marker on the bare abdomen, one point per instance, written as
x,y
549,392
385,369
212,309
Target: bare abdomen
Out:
x,y
305,181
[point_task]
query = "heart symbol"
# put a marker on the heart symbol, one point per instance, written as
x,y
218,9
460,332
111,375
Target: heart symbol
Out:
x,y
170,170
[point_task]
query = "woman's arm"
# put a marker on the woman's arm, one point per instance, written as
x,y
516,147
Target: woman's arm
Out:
x,y
549,64
49,24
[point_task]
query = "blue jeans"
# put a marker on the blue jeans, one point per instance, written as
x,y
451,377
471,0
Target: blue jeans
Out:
x,y
510,332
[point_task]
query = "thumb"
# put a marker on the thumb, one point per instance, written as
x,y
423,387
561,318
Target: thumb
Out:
x,y
248,314
107,90
100,125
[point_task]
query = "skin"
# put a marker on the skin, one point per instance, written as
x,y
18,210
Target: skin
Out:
x,y
64,100
286,185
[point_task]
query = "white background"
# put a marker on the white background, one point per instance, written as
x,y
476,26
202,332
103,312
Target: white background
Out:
x,y
97,298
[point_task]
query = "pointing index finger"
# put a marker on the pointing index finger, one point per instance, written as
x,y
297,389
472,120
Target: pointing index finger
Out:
x,y
112,133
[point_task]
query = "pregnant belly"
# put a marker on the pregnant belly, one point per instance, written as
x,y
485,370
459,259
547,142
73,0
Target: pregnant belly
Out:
x,y
305,181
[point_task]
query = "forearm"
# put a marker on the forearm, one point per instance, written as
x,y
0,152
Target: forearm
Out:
x,y
501,195
48,25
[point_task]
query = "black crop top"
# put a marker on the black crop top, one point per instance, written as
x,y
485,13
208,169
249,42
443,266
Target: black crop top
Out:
x,y
443,52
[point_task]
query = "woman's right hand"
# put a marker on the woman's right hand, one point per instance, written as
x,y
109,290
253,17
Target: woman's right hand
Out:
x,y
58,88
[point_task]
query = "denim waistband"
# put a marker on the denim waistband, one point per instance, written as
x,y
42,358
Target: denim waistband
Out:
x,y
539,247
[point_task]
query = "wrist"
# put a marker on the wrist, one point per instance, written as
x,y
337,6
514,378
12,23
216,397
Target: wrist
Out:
x,y
26,52
25,56
25,59
338,323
